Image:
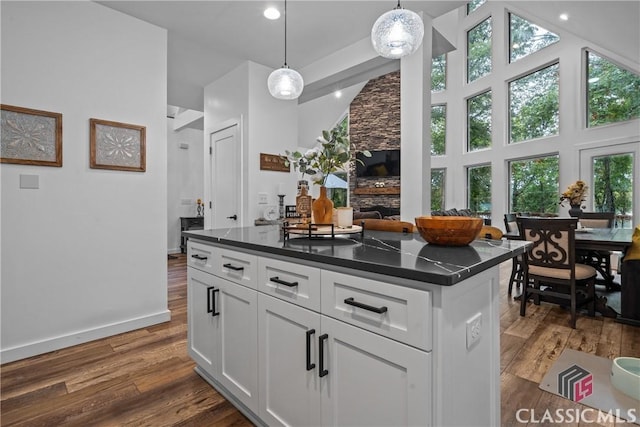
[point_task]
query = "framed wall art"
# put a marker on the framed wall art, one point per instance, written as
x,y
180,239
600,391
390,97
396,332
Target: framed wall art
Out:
x,y
273,162
117,146
30,137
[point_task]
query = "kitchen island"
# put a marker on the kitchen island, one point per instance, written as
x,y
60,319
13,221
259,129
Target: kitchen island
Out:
x,y
373,329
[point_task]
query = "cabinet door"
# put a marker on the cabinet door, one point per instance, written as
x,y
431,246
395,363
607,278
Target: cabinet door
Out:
x,y
202,328
288,348
237,340
372,380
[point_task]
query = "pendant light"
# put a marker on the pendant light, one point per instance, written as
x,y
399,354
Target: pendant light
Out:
x,y
285,83
397,33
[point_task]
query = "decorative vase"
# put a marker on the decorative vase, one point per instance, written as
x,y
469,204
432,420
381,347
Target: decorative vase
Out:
x,y
322,208
575,211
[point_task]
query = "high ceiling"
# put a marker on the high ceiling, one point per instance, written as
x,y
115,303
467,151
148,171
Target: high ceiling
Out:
x,y
207,39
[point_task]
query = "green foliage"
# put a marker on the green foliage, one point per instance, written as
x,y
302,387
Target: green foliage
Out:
x,y
438,129
534,185
479,192
479,50
526,37
439,73
437,189
534,106
479,121
473,5
613,93
613,178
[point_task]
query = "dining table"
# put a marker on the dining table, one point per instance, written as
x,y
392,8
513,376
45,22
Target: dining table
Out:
x,y
606,239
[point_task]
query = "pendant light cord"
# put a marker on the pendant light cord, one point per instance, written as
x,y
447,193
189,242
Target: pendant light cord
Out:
x,y
285,34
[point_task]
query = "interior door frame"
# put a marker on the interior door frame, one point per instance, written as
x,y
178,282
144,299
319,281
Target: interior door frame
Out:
x,y
631,145
242,168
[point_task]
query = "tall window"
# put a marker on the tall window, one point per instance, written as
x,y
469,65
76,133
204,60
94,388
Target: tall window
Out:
x,y
479,50
437,189
533,105
479,122
613,93
526,37
439,73
438,129
533,185
613,186
479,189
473,5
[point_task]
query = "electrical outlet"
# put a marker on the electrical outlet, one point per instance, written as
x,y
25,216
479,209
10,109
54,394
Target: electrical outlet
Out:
x,y
474,330
262,198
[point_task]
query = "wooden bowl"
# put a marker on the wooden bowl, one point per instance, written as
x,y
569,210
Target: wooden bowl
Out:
x,y
448,230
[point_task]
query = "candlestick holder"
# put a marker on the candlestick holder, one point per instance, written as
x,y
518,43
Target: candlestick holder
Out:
x,y
281,205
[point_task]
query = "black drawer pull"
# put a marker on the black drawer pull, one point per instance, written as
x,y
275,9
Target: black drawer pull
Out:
x,y
213,308
233,267
282,282
310,365
199,257
321,339
209,308
379,310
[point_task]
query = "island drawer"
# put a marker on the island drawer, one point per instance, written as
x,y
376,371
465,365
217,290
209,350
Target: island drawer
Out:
x,y
201,256
295,283
237,267
397,312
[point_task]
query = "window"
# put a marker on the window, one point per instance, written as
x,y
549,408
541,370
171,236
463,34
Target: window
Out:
x,y
437,189
613,93
439,73
479,50
479,189
533,105
438,129
473,5
534,185
613,186
479,122
526,37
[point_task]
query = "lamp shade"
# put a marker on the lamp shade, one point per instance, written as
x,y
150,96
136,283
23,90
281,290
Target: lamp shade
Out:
x,y
397,33
285,83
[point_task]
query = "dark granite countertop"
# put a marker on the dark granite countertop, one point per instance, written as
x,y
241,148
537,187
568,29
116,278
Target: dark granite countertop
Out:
x,y
394,254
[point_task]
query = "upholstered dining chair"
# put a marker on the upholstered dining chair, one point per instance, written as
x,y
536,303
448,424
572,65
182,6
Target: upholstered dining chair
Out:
x,y
600,260
517,270
550,268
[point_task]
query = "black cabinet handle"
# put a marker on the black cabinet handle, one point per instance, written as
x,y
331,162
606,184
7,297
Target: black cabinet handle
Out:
x,y
233,267
379,310
209,308
310,365
282,282
321,339
214,313
199,257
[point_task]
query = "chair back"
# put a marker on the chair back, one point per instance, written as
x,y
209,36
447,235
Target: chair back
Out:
x,y
553,242
597,219
510,222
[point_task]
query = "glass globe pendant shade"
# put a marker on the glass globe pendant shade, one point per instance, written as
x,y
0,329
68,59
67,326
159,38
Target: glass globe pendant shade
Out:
x,y
285,83
397,33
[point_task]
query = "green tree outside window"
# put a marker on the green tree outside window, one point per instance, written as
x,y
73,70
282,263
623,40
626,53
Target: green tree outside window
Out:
x,y
526,38
479,122
613,186
479,50
438,129
479,189
439,73
437,189
534,185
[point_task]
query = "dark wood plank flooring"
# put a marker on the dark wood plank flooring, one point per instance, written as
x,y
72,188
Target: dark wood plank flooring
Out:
x,y
146,378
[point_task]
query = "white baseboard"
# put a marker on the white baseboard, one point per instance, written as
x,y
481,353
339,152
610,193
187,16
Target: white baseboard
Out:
x,y
80,337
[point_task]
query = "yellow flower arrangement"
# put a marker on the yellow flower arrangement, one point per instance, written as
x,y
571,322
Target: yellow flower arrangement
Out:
x,y
199,201
575,194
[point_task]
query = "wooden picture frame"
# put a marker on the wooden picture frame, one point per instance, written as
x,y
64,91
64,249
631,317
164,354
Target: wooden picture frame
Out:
x,y
274,162
117,146
30,137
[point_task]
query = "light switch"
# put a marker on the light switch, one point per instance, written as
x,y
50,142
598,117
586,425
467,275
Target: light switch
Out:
x,y
30,181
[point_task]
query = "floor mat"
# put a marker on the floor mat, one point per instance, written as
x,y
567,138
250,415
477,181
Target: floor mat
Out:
x,y
585,378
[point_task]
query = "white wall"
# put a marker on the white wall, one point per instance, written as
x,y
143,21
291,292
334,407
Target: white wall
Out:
x,y
84,256
185,171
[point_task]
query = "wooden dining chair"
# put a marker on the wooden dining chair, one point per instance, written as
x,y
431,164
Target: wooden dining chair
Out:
x,y
517,270
600,260
550,269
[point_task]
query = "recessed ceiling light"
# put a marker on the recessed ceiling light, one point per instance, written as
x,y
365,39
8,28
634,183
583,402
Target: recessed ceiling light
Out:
x,y
271,13
564,17
338,94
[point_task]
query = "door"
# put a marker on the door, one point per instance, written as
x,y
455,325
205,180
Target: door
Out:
x,y
370,380
236,341
226,177
202,321
288,348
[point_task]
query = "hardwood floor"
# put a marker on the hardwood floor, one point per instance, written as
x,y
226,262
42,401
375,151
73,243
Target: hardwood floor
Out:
x,y
146,378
